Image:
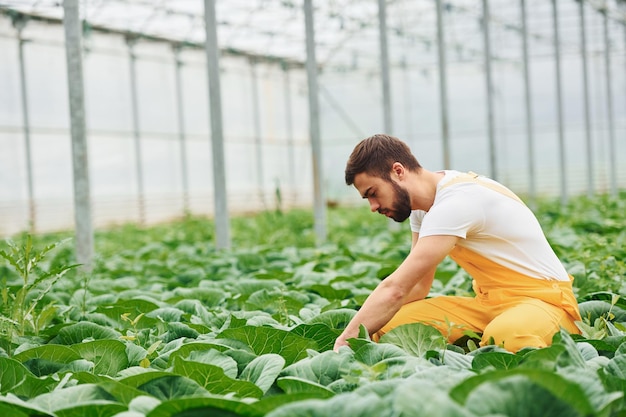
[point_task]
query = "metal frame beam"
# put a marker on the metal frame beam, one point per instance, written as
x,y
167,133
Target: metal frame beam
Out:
x,y
80,156
222,226
319,203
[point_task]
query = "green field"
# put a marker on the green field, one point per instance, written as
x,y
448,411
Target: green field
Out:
x,y
166,325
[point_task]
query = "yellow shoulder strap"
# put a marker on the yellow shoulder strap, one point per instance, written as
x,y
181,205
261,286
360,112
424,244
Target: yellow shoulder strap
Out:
x,y
475,178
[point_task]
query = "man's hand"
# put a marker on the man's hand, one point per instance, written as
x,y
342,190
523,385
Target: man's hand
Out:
x,y
342,340
339,343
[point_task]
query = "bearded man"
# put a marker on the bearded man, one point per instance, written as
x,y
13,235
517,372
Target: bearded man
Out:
x,y
523,294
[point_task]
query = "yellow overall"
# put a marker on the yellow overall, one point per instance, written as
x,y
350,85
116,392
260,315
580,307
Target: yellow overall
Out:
x,y
510,309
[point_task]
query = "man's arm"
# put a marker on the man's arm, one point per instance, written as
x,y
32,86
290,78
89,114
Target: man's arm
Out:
x,y
421,290
413,278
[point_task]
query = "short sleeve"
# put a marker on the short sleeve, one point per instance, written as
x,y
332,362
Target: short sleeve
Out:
x,y
456,212
416,218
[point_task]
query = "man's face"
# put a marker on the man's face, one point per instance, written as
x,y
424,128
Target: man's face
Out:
x,y
384,196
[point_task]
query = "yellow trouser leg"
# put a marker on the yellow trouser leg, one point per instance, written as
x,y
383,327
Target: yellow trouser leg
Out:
x,y
450,315
513,322
529,322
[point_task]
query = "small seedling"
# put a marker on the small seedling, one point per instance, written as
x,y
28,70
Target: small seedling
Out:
x,y
21,312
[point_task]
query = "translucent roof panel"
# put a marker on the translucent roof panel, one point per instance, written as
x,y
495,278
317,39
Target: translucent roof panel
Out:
x,y
346,30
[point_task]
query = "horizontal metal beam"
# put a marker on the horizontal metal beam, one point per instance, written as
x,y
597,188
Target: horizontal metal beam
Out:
x,y
291,63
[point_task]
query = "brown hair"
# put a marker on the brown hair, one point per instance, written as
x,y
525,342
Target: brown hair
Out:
x,y
375,156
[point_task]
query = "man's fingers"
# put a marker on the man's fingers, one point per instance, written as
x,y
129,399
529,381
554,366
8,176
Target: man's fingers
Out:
x,y
340,343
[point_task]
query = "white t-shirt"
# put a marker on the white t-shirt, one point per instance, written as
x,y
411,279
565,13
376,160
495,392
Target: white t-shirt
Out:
x,y
491,224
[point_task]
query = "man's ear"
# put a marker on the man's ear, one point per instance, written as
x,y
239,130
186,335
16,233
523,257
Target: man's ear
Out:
x,y
398,170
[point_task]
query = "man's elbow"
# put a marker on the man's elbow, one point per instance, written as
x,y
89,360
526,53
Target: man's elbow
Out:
x,y
393,293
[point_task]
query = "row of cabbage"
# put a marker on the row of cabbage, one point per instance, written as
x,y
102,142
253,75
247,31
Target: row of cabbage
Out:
x,y
166,325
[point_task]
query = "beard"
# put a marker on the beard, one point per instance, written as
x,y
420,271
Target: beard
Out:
x,y
401,207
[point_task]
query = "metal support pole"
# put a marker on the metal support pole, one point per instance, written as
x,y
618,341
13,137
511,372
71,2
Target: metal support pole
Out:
x,y
314,125
20,22
609,102
178,65
585,67
80,156
291,160
559,102
530,134
256,117
384,66
443,86
408,102
222,228
489,86
136,130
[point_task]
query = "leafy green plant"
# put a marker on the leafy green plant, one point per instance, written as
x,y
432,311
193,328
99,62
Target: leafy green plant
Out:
x,y
170,326
21,312
133,336
599,319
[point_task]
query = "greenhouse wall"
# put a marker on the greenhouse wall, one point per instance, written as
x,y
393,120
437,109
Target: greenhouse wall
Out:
x,y
254,173
266,128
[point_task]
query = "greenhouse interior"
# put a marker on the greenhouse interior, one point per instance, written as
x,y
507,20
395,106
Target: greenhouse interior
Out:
x,y
146,112
552,84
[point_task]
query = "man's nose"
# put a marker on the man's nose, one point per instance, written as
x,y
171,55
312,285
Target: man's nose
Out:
x,y
374,206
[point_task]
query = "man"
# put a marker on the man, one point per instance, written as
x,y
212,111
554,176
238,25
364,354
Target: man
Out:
x,y
523,293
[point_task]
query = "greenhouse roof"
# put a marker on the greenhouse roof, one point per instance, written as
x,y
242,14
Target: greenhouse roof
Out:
x,y
346,31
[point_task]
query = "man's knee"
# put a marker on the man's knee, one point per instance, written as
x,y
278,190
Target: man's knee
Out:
x,y
513,339
514,336
532,323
